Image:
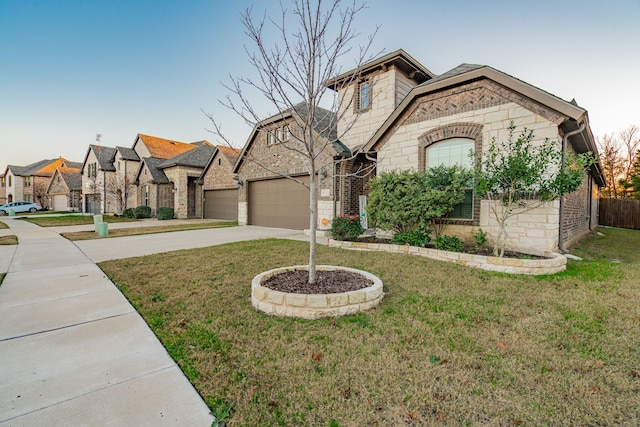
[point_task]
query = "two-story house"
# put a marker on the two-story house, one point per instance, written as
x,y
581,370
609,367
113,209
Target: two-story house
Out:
x,y
398,115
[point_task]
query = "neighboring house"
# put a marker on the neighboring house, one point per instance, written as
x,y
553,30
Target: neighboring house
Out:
x,y
409,118
167,174
3,189
65,189
266,197
219,188
126,162
98,175
29,183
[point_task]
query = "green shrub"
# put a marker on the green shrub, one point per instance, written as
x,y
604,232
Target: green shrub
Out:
x,y
346,227
165,213
142,212
480,237
420,237
128,213
448,243
403,201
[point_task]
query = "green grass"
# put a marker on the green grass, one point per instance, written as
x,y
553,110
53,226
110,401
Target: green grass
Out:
x,y
121,232
56,221
448,345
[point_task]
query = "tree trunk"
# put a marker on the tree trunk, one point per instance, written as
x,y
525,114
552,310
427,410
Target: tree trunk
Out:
x,y
313,221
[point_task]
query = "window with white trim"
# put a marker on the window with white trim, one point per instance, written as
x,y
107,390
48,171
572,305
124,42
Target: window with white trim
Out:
x,y
363,96
452,152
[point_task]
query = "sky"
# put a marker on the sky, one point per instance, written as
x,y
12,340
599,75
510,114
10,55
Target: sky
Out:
x,y
72,69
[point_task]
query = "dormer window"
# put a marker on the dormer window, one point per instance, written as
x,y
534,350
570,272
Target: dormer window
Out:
x,y
363,96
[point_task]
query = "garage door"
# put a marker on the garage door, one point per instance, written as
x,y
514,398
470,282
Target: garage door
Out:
x,y
60,202
221,204
279,203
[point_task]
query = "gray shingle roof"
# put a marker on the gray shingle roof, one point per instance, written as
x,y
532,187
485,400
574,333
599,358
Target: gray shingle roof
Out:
x,y
325,122
128,154
460,69
73,165
105,156
157,174
29,169
198,158
72,178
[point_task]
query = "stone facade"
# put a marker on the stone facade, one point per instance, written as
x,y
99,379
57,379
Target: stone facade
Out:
x,y
267,161
187,204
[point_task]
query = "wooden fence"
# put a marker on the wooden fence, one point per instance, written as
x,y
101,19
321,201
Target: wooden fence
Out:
x,y
619,213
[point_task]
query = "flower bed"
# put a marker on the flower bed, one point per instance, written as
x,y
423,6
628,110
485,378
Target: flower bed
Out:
x,y
314,306
554,262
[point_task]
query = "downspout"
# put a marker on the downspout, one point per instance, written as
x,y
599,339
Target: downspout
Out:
x,y
561,247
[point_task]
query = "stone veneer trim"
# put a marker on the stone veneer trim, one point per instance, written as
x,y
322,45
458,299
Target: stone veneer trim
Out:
x,y
554,264
314,306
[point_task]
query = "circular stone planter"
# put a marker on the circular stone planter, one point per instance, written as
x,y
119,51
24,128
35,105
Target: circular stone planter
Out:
x,y
314,306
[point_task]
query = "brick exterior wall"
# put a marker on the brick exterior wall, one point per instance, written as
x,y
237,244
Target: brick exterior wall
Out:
x,y
186,204
263,161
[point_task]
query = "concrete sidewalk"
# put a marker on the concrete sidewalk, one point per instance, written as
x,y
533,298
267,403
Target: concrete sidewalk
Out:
x,y
72,349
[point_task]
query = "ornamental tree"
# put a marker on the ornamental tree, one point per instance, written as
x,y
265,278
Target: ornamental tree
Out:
x,y
518,176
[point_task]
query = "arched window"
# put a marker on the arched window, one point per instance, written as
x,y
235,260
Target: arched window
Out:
x,y
454,151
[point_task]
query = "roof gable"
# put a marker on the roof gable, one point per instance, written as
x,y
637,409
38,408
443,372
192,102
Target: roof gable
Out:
x,y
399,58
128,154
325,125
151,164
161,148
197,158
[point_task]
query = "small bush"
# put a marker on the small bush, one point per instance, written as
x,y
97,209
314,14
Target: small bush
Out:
x,y
142,212
419,237
165,213
128,213
346,227
448,243
480,237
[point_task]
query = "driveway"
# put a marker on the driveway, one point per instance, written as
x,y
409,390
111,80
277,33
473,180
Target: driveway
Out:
x,y
99,250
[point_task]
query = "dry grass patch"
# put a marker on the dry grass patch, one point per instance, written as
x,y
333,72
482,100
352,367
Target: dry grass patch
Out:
x,y
9,240
2,277
57,221
3,225
448,345
120,232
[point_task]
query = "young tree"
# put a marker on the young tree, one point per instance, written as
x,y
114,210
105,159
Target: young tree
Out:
x,y
119,188
612,162
518,176
312,38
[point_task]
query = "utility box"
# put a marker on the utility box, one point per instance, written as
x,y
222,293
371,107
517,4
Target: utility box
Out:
x,y
12,212
97,219
103,229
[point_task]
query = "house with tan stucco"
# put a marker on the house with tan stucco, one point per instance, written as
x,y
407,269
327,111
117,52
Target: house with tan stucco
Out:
x,y
411,118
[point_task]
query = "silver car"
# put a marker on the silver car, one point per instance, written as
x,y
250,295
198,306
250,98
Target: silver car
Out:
x,y
20,207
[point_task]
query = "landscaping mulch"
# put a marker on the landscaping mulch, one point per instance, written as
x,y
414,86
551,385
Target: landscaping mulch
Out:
x,y
327,282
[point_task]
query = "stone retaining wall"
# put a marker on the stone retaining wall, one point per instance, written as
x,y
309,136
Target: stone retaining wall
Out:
x,y
314,306
553,264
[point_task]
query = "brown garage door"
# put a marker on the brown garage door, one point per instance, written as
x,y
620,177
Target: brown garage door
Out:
x,y
221,204
279,203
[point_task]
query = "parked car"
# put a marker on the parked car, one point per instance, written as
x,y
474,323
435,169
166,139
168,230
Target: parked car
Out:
x,y
20,207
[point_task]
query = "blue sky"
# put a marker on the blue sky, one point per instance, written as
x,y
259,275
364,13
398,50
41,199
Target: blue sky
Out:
x,y
72,69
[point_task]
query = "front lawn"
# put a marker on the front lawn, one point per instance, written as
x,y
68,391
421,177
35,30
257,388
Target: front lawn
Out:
x,y
448,345
57,221
3,225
